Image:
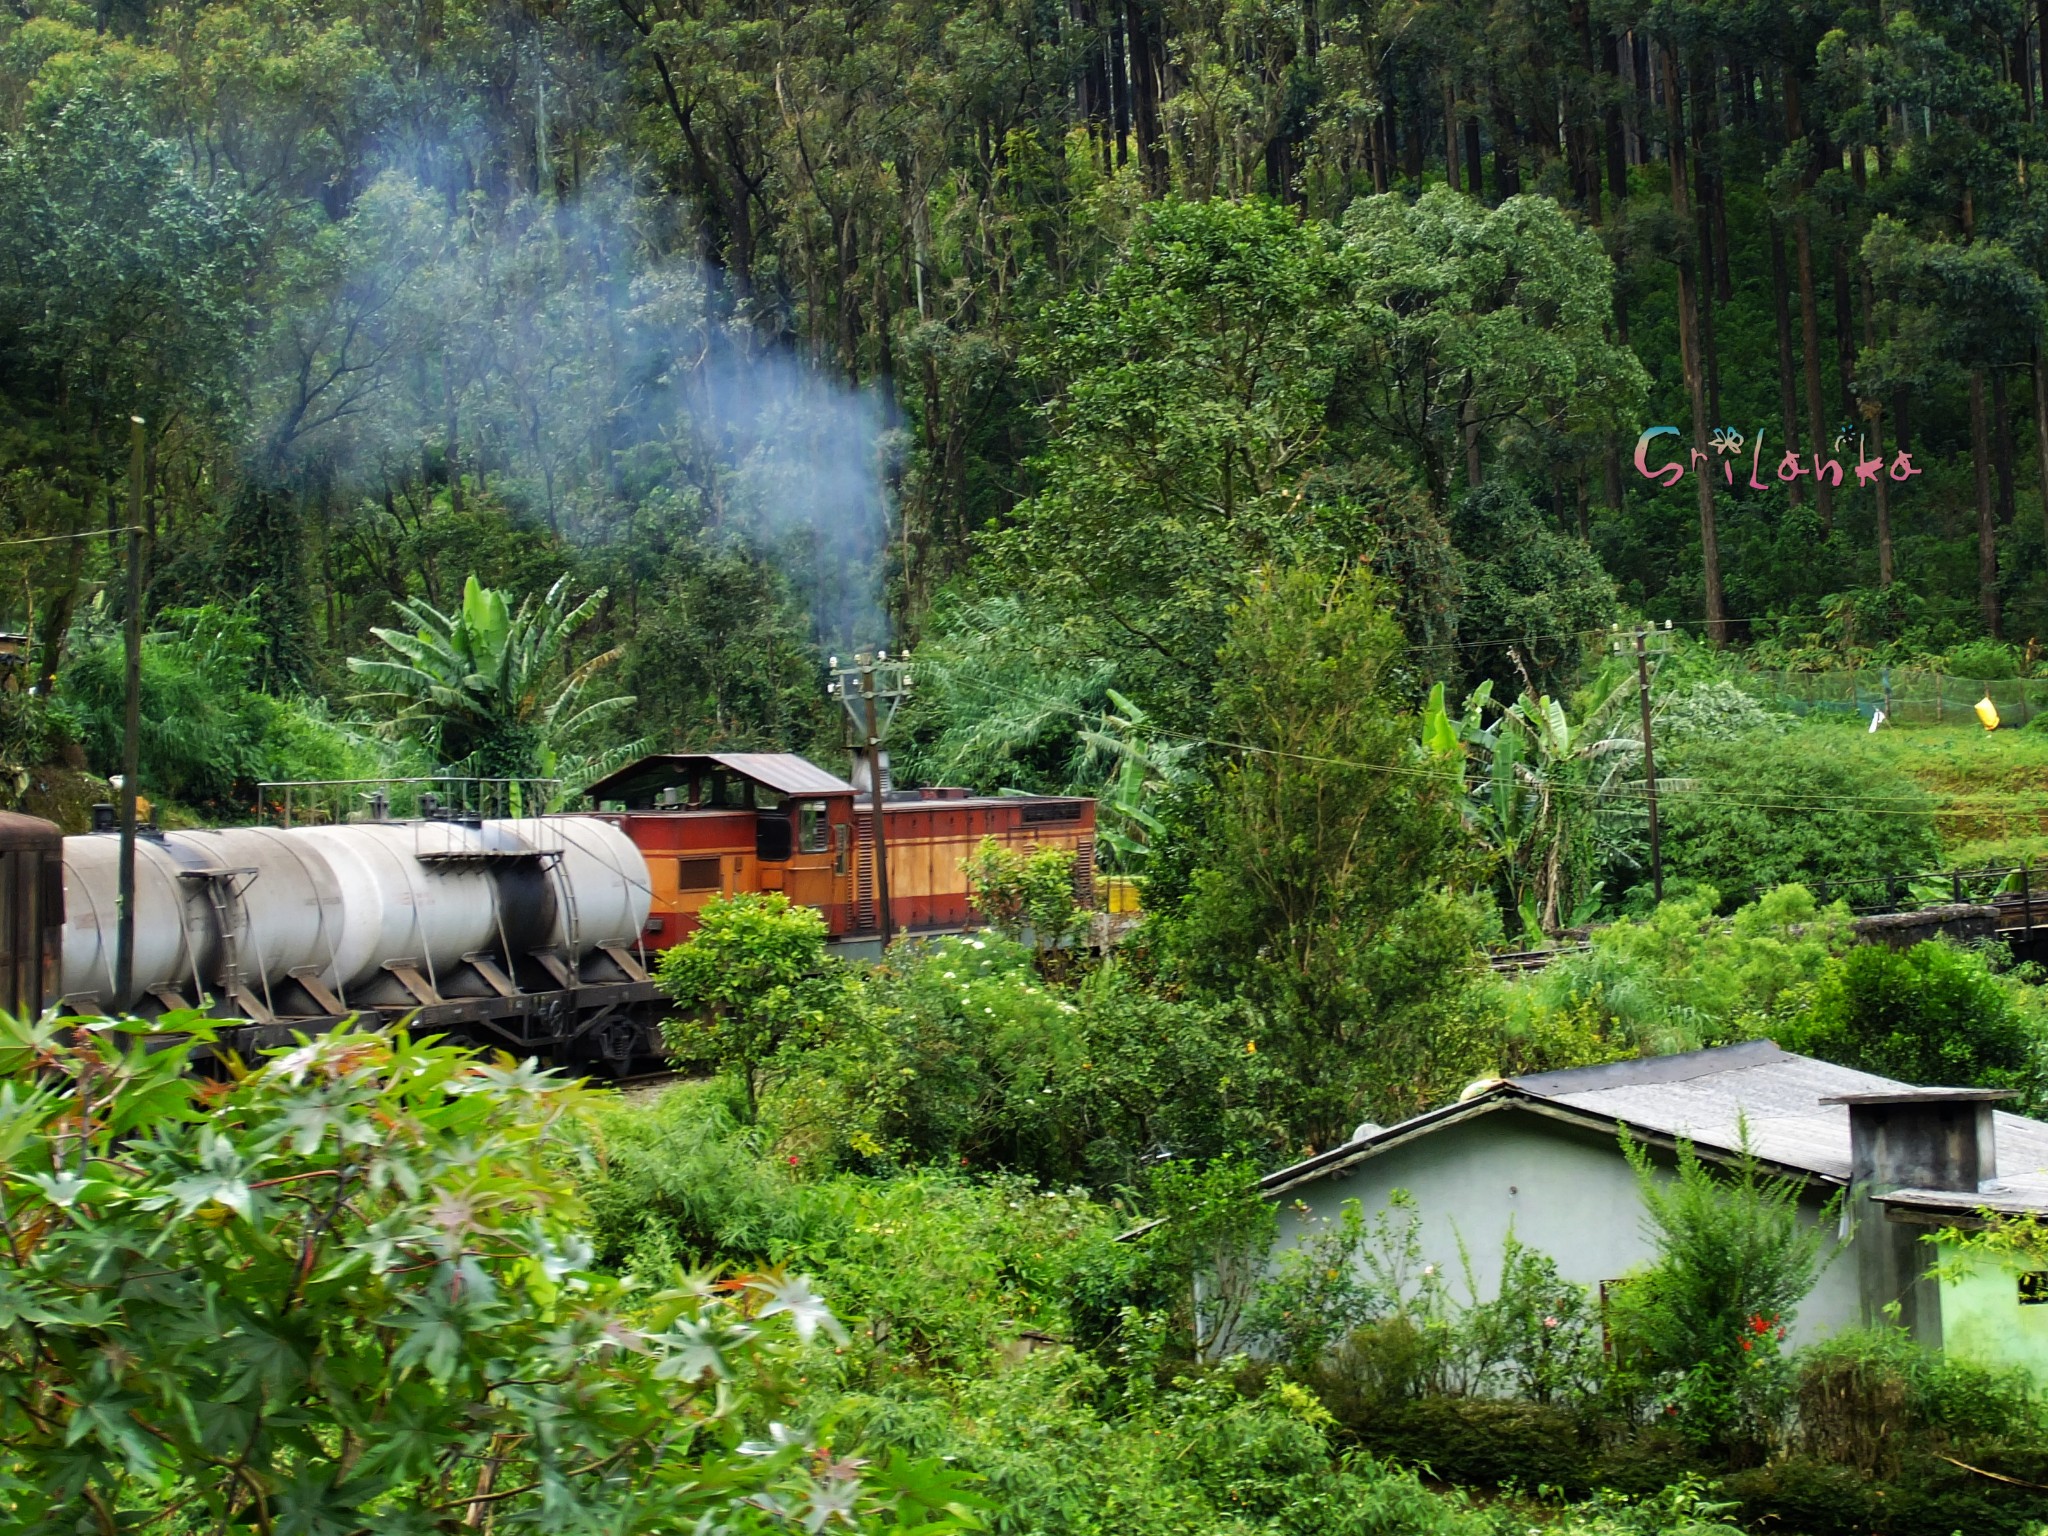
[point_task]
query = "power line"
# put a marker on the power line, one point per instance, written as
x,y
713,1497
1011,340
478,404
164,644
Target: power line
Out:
x,y
65,538
1865,805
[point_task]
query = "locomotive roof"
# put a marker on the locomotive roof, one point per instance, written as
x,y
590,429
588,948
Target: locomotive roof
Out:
x,y
783,772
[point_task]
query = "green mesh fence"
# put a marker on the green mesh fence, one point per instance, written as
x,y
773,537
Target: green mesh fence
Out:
x,y
1907,695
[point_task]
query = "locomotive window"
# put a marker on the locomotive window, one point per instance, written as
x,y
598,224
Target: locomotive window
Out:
x,y
771,837
697,874
810,826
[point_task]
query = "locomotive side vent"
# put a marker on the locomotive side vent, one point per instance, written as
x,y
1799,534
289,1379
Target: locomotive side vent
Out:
x,y
863,871
1055,810
698,874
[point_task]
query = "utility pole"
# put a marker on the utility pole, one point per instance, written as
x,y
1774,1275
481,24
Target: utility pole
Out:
x,y
1644,643
870,689
131,738
1649,766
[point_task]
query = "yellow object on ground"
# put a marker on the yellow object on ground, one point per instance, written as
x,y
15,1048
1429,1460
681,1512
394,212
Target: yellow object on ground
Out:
x,y
1988,713
1121,893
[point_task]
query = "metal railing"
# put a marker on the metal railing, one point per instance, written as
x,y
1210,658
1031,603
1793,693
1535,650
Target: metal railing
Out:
x,y
2000,885
332,802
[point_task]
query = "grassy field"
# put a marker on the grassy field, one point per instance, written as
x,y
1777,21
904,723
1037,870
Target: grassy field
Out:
x,y
1992,785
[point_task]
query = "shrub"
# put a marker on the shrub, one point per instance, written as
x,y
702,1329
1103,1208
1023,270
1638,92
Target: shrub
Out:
x,y
983,1061
342,1292
1480,1442
753,980
1703,1327
1808,806
1026,895
1985,661
1337,1279
1932,1014
1678,979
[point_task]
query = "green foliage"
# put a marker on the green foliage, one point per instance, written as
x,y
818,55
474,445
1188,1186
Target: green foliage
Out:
x,y
1026,895
1932,1014
719,659
1703,1327
1525,585
1356,1307
990,1067
123,277
343,1292
480,684
752,981
208,737
1541,784
1323,849
1215,1230
1539,1339
1146,767
1494,321
1342,1276
1681,978
1815,806
1189,443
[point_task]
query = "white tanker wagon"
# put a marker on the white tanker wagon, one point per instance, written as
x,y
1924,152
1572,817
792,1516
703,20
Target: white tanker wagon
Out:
x,y
520,932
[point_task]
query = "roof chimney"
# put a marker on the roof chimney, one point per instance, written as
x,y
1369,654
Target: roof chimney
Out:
x,y
1911,1138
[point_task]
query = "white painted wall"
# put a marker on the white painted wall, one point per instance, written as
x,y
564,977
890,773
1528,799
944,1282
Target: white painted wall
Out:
x,y
1568,1192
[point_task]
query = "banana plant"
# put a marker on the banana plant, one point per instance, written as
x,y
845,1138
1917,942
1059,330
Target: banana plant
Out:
x,y
1531,783
1143,767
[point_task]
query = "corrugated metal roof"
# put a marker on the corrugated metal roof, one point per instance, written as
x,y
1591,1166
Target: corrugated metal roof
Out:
x,y
783,772
1707,1098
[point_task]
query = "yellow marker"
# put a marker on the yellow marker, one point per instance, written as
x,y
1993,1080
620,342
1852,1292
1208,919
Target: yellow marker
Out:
x,y
1988,713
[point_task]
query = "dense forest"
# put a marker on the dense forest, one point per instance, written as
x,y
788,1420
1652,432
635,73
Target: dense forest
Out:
x,y
1029,331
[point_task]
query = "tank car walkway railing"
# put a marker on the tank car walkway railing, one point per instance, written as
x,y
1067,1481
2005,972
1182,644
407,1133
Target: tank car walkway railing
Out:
x,y
332,802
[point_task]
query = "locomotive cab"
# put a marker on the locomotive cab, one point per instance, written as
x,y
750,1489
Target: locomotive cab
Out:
x,y
723,823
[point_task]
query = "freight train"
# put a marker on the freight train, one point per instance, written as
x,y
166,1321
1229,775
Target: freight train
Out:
x,y
534,934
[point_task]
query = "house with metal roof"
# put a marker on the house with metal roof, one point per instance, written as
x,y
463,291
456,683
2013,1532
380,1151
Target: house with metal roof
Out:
x,y
1886,1165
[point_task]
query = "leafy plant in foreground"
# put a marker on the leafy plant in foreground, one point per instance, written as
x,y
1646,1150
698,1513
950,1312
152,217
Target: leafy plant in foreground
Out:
x,y
1704,1326
342,1293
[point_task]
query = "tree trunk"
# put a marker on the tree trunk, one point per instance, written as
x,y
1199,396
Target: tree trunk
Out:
x,y
1472,160
1873,411
1120,84
1507,170
2041,424
1809,333
1468,427
1845,331
1454,171
2001,447
1781,303
1689,350
1145,94
1611,126
1884,504
1987,527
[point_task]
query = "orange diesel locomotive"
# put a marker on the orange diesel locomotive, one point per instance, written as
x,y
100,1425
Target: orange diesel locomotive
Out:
x,y
719,823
